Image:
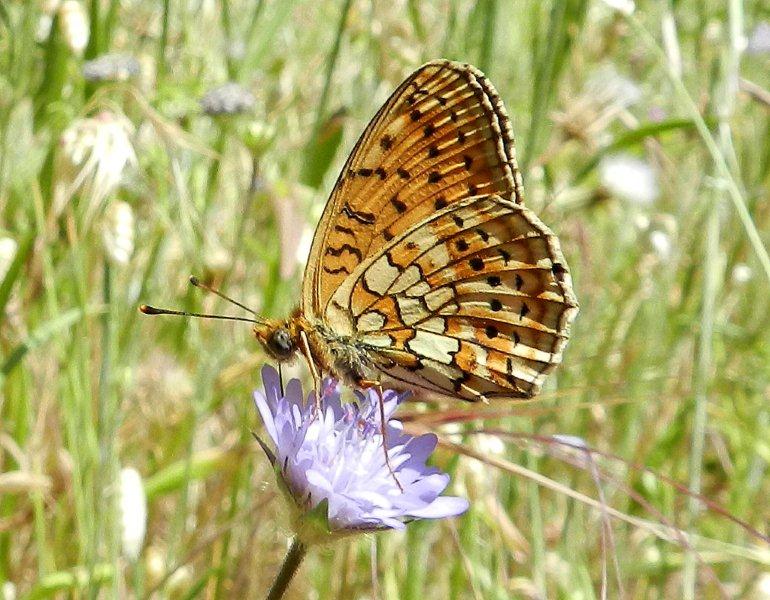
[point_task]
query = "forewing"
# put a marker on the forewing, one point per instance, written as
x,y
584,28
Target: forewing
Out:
x,y
476,301
442,135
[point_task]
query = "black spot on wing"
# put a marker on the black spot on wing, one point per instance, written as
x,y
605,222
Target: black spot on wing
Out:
x,y
341,269
524,310
362,217
343,229
345,248
398,204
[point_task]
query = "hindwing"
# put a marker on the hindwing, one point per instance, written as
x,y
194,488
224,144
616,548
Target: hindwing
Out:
x,y
474,301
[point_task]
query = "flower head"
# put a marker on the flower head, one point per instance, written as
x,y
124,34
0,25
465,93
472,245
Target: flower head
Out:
x,y
111,67
759,40
93,155
228,99
332,463
606,96
629,178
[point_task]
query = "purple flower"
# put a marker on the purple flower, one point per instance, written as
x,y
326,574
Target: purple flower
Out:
x,y
332,463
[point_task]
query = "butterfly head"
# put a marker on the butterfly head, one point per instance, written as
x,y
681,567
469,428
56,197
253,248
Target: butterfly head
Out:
x,y
277,338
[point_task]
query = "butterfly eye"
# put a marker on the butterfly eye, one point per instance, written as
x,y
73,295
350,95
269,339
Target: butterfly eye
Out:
x,y
280,343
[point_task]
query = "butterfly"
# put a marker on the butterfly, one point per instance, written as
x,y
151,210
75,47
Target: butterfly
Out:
x,y
426,270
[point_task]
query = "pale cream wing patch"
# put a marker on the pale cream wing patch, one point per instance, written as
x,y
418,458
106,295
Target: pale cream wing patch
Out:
x,y
475,301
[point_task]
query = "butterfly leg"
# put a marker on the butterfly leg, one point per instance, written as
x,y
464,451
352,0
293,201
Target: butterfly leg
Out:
x,y
365,383
313,370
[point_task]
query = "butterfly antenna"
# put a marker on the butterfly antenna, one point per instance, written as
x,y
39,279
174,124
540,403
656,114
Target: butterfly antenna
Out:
x,y
151,310
199,284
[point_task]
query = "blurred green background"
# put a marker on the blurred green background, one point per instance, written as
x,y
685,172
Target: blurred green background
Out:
x,y
644,142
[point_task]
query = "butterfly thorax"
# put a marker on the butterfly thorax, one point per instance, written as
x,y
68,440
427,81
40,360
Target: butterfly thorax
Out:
x,y
345,357
333,354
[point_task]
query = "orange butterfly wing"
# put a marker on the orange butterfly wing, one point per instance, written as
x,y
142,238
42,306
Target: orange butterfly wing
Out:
x,y
476,301
442,136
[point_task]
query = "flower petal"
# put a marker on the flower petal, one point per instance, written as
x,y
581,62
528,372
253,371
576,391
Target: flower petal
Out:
x,y
441,507
266,414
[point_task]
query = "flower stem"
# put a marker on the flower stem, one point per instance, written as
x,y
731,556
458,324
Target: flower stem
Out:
x,y
289,567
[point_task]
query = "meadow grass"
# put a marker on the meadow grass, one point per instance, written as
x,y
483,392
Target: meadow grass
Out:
x,y
666,377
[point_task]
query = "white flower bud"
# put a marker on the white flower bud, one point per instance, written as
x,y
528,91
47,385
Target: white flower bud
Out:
x,y
629,178
8,591
741,273
74,25
47,10
118,232
661,244
8,249
133,512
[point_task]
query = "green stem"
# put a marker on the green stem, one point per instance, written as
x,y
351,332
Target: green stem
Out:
x,y
213,174
104,477
488,38
330,64
163,42
711,280
94,42
232,68
289,567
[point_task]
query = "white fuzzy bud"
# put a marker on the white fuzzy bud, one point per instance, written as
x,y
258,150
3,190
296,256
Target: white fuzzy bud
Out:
x,y
74,25
629,178
741,273
661,244
133,512
8,249
8,591
118,232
